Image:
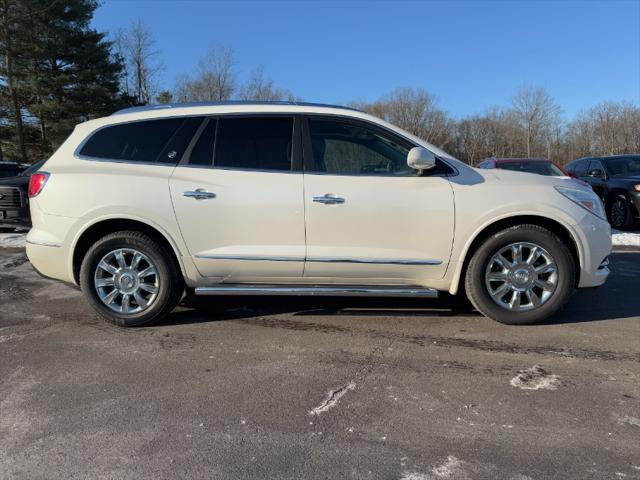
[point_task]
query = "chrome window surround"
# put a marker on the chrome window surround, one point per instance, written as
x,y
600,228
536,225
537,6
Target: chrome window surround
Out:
x,y
77,154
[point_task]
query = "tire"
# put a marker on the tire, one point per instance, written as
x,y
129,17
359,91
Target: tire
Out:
x,y
156,279
620,213
516,306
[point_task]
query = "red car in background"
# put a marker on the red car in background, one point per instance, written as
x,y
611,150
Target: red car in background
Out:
x,y
541,166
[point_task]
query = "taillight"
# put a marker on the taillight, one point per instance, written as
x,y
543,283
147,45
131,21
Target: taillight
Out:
x,y
37,181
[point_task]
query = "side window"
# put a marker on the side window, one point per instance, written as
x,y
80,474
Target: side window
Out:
x,y
259,143
579,168
160,141
202,153
344,148
595,165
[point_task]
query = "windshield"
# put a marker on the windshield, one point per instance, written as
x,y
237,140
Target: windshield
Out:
x,y
32,169
541,168
624,166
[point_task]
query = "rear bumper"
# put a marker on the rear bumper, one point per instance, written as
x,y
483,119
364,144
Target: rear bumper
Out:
x,y
49,260
49,245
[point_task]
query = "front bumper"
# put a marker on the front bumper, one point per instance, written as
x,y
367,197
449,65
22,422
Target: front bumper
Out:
x,y
635,199
15,218
593,236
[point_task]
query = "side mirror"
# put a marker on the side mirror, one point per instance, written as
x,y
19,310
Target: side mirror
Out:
x,y
596,173
419,158
572,175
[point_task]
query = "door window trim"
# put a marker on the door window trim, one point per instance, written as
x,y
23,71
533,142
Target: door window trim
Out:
x,y
307,149
296,148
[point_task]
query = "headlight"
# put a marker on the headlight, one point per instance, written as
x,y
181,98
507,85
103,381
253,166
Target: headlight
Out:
x,y
636,187
586,199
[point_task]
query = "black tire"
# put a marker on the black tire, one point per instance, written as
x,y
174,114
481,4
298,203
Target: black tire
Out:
x,y
620,213
478,292
170,288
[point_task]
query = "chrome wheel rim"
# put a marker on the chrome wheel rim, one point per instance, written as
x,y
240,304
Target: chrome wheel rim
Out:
x,y
521,276
126,281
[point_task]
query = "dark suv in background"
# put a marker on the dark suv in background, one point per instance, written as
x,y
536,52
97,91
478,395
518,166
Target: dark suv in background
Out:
x,y
14,201
616,180
10,169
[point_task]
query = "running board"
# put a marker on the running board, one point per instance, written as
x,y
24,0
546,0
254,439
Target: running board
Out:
x,y
319,290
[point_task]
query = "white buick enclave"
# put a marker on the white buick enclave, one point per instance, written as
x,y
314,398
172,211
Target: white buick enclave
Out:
x,y
301,199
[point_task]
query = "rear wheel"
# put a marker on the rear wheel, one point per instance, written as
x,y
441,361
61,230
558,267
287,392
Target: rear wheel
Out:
x,y
130,279
520,275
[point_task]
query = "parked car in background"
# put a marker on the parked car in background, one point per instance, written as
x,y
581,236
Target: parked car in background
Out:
x,y
10,169
616,180
14,198
291,198
541,166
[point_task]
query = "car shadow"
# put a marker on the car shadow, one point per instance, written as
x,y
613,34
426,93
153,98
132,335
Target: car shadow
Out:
x,y
615,300
212,309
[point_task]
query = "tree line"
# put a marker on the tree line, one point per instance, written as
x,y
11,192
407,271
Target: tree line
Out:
x,y
56,71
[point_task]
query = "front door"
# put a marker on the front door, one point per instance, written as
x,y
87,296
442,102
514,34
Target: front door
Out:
x,y
369,217
239,201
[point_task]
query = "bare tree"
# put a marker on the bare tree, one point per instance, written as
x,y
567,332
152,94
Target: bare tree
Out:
x,y
142,66
120,41
537,113
415,110
215,79
258,87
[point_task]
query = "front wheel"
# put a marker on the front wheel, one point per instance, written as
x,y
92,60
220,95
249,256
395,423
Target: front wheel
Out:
x,y
620,213
130,279
521,275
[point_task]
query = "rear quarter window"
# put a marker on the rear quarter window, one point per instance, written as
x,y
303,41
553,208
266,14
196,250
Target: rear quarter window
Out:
x,y
150,141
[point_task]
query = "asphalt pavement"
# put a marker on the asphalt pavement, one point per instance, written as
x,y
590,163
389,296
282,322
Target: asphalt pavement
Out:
x,y
308,388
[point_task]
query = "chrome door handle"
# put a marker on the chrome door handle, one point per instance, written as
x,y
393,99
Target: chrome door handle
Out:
x,y
199,194
328,199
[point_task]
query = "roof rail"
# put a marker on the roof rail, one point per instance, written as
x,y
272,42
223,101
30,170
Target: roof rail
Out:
x,y
145,108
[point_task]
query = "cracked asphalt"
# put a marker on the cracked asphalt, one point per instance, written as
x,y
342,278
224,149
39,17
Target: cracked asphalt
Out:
x,y
299,388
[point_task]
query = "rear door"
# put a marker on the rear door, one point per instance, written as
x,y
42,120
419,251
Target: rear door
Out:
x,y
237,195
370,218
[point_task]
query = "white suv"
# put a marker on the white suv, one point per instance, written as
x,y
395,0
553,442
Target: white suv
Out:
x,y
301,199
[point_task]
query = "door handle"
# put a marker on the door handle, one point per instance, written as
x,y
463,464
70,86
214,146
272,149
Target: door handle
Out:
x,y
199,194
328,199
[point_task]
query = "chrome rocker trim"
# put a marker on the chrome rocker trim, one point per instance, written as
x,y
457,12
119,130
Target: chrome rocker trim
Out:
x,y
323,260
319,290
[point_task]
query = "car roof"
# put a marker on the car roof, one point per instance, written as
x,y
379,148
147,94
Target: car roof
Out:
x,y
233,103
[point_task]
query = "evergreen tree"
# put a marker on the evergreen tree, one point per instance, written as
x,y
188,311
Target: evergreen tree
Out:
x,y
64,70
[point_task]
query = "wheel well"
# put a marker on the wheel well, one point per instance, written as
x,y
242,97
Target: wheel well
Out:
x,y
544,222
100,229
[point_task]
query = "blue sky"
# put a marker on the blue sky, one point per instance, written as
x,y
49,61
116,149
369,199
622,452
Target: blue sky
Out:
x,y
470,54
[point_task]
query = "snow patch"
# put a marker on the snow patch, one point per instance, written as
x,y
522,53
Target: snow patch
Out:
x,y
451,469
333,397
535,378
13,240
626,239
629,421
